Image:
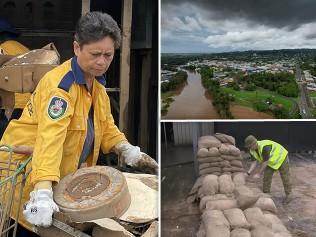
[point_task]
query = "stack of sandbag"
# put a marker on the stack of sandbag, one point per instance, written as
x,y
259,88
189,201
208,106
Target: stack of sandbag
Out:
x,y
217,155
223,217
229,206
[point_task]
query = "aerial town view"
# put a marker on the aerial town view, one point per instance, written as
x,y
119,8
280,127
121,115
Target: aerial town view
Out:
x,y
219,64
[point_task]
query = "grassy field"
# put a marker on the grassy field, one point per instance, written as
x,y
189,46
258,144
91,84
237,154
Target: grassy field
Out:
x,y
246,98
312,94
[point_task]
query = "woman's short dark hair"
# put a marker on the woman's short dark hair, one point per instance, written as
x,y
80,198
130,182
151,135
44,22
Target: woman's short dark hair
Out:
x,y
95,26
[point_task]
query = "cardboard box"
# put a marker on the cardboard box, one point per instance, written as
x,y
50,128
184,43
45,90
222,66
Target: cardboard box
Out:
x,y
23,72
22,78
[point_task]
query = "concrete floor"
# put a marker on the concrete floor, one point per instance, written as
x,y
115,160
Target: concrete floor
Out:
x,y
181,219
177,175
300,214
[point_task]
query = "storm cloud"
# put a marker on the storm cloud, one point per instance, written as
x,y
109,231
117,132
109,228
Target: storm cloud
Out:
x,y
229,25
276,13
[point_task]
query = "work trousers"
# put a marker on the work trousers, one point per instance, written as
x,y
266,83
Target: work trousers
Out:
x,y
285,176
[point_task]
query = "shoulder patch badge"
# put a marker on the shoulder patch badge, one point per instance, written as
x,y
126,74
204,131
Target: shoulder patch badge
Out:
x,y
57,107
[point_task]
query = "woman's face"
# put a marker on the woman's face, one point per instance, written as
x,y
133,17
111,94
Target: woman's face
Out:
x,y
95,58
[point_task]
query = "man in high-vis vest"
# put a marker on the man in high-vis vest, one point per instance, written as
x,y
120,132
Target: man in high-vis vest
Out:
x,y
272,157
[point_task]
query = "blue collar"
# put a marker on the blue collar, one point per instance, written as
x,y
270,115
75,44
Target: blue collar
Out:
x,y
79,77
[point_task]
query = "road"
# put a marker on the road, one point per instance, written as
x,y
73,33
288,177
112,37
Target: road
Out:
x,y
303,101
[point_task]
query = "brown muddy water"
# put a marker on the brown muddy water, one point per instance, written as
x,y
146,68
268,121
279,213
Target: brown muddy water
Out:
x,y
193,102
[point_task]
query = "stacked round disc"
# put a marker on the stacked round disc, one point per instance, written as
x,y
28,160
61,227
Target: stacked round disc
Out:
x,y
93,193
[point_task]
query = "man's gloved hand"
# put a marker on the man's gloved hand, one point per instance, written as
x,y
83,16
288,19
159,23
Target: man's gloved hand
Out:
x,y
132,156
40,208
256,176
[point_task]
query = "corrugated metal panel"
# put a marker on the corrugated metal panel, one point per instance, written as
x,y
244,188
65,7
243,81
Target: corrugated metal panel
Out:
x,y
182,133
206,129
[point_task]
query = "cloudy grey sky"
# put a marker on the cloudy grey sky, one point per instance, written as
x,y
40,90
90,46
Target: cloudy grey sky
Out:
x,y
231,25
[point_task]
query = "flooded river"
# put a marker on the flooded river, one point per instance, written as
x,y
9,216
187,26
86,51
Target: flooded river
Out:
x,y
192,102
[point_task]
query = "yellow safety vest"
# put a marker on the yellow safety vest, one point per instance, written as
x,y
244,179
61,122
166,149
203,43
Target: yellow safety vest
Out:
x,y
277,154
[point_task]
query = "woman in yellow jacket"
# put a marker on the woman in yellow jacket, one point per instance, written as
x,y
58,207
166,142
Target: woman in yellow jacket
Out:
x,y
68,119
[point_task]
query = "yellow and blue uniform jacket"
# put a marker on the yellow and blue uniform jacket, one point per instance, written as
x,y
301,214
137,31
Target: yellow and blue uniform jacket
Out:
x,y
54,123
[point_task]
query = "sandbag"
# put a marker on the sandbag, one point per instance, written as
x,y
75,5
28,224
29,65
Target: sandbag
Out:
x,y
207,165
197,185
214,218
266,204
226,184
245,197
236,218
208,142
239,179
277,225
209,159
227,172
191,198
239,232
233,150
256,218
259,192
282,234
209,170
225,138
224,163
204,152
209,185
205,199
230,157
221,204
236,163
201,231
233,169
217,231
224,149
262,231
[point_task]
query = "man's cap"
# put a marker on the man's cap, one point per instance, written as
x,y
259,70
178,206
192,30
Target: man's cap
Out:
x,y
249,141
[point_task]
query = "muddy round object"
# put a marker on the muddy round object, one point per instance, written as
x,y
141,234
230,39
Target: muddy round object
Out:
x,y
93,193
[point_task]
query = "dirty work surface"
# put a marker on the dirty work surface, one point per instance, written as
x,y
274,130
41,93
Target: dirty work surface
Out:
x,y
299,215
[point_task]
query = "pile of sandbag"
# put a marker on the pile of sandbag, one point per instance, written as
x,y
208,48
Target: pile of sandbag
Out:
x,y
217,155
229,206
234,210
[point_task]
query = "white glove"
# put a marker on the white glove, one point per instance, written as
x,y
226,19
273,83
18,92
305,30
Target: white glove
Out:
x,y
132,156
40,208
148,164
128,153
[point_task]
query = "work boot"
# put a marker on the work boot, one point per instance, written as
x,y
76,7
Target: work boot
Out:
x,y
288,198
